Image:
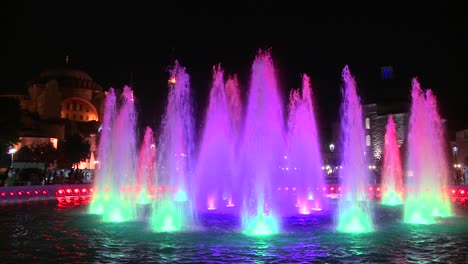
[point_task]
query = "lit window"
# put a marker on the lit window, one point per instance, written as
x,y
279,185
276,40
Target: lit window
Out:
x,y
368,140
367,123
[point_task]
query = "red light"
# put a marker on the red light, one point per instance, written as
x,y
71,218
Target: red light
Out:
x,y
44,192
286,188
12,193
453,191
36,192
107,189
69,190
60,191
378,189
332,188
84,190
152,188
324,188
294,188
77,190
28,192
462,192
160,188
3,194
91,190
371,188
339,189
20,193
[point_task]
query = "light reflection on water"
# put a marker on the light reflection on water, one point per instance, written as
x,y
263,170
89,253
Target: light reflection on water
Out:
x,y
48,233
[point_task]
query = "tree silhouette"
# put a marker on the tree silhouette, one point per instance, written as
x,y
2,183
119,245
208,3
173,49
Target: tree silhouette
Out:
x,y
74,150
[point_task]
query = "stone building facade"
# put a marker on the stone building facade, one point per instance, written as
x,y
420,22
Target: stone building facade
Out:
x,y
60,102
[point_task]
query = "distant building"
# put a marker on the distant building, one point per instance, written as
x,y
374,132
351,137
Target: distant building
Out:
x,y
375,122
460,149
58,103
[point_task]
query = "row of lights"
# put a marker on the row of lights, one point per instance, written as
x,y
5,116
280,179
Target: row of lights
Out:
x,y
23,193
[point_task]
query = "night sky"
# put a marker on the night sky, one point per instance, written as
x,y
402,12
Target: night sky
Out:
x,y
114,41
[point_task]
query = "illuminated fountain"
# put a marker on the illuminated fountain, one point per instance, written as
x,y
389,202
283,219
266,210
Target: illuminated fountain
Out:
x,y
303,157
215,166
173,208
114,196
146,175
261,150
354,209
392,175
428,171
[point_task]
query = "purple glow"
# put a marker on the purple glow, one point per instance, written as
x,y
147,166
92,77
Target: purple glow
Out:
x,y
263,144
215,167
303,158
353,208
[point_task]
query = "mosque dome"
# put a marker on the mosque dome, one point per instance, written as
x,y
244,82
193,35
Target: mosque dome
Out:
x,y
67,78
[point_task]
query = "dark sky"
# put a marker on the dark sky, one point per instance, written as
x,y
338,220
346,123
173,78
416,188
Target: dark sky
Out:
x,y
110,41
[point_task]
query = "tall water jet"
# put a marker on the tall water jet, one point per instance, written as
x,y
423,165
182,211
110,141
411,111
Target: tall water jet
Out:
x,y
146,168
235,108
354,209
173,211
261,150
118,141
104,179
392,175
427,180
236,116
303,169
215,165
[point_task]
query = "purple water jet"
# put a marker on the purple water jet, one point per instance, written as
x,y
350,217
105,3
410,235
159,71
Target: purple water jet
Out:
x,y
117,151
173,211
262,148
427,166
303,169
215,166
354,210
392,175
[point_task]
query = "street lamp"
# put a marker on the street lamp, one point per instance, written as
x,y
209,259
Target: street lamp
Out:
x,y
12,151
455,151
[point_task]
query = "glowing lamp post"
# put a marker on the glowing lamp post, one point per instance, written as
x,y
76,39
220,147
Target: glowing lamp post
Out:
x,y
12,152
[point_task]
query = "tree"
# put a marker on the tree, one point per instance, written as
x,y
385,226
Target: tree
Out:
x,y
45,152
10,122
74,150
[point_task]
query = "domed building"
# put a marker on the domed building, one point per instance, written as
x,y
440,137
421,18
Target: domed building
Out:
x,y
61,102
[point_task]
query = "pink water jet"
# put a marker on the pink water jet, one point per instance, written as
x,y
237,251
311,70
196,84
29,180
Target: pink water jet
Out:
x,y
392,174
303,159
427,167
